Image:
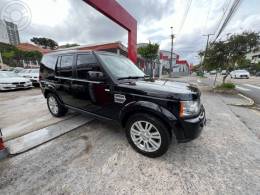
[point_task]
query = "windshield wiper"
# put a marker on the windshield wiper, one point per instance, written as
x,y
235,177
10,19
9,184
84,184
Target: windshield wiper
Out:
x,y
131,77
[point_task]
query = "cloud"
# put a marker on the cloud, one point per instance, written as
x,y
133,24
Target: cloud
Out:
x,y
75,21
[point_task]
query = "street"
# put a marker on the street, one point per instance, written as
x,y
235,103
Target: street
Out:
x,y
249,87
96,159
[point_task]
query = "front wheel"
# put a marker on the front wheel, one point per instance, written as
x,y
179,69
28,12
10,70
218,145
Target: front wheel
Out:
x,y
147,135
54,106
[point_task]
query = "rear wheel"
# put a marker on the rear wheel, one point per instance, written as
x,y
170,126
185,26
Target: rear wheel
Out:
x,y
147,135
54,106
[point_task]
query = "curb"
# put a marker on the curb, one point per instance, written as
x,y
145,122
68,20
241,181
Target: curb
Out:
x,y
251,101
33,139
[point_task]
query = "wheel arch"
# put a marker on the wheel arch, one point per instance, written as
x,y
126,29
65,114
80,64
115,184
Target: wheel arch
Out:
x,y
48,91
148,108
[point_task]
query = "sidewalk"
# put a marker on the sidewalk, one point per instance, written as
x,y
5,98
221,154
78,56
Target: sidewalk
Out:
x,y
96,159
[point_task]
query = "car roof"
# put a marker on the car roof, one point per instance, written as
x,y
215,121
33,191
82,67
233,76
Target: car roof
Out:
x,y
78,52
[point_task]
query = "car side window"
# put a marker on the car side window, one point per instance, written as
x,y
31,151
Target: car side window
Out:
x,y
64,68
86,63
49,61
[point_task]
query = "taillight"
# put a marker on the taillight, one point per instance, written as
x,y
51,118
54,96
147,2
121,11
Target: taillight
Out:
x,y
2,146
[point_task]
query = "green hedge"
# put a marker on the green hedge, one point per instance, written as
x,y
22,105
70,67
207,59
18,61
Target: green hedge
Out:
x,y
226,86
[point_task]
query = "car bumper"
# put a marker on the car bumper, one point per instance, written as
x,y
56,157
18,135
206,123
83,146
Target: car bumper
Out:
x,y
191,128
243,76
13,87
34,81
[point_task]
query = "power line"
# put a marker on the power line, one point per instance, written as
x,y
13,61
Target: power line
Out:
x,y
185,15
223,15
232,10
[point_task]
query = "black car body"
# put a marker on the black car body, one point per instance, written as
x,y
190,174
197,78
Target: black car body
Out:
x,y
104,85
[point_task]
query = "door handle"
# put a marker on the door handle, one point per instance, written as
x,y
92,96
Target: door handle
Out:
x,y
107,90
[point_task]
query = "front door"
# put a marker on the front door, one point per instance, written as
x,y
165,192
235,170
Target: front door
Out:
x,y
92,94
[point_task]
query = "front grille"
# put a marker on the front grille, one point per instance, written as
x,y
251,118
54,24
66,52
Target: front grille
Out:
x,y
18,83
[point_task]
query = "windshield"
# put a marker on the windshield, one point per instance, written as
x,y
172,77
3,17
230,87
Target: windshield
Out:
x,y
7,74
121,67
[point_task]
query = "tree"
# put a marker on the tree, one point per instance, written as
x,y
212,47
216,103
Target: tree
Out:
x,y
149,53
13,56
227,55
45,42
68,45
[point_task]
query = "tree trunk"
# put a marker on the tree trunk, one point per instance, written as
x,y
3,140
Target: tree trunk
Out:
x,y
224,78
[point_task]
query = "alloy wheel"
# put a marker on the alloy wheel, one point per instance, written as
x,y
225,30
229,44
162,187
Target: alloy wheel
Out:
x,y
53,105
145,136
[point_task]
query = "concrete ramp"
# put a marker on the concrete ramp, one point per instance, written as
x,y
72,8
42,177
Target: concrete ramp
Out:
x,y
35,138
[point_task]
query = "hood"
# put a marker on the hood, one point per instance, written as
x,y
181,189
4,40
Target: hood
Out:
x,y
13,80
164,89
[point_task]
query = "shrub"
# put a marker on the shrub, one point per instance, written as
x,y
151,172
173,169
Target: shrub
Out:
x,y
227,86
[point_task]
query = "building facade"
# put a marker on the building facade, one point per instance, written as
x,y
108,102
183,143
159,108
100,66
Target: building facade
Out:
x,y
3,33
13,33
254,55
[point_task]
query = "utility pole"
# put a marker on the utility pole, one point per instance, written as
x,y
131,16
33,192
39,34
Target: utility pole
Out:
x,y
206,50
172,37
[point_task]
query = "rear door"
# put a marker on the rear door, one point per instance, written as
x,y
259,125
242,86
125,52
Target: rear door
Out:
x,y
64,76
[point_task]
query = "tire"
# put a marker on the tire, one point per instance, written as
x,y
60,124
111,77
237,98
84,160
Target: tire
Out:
x,y
143,141
54,106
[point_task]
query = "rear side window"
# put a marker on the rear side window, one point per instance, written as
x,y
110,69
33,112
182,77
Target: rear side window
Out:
x,y
49,61
86,63
64,68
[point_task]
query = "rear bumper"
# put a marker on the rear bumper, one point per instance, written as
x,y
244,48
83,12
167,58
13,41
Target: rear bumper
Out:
x,y
190,129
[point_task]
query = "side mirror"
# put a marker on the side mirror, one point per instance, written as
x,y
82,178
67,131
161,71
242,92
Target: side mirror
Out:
x,y
96,76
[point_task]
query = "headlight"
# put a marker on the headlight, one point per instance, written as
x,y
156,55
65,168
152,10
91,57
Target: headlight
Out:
x,y
189,108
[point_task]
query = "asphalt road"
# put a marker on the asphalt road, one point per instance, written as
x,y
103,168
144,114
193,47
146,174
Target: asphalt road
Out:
x,y
251,90
249,87
96,159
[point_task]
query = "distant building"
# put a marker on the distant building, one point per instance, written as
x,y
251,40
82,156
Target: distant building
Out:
x,y
9,33
114,47
31,47
179,67
254,55
3,33
13,33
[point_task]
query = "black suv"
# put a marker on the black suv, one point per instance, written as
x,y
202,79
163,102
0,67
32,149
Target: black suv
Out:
x,y
109,86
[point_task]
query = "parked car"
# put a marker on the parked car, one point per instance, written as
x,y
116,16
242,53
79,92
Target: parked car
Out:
x,y
10,81
109,86
223,72
32,74
17,70
257,74
240,74
213,72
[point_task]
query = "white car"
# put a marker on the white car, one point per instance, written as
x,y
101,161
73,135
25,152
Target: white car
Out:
x,y
223,72
213,72
32,74
240,74
10,81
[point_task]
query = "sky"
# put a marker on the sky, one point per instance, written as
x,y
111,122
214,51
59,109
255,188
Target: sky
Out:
x,y
73,21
